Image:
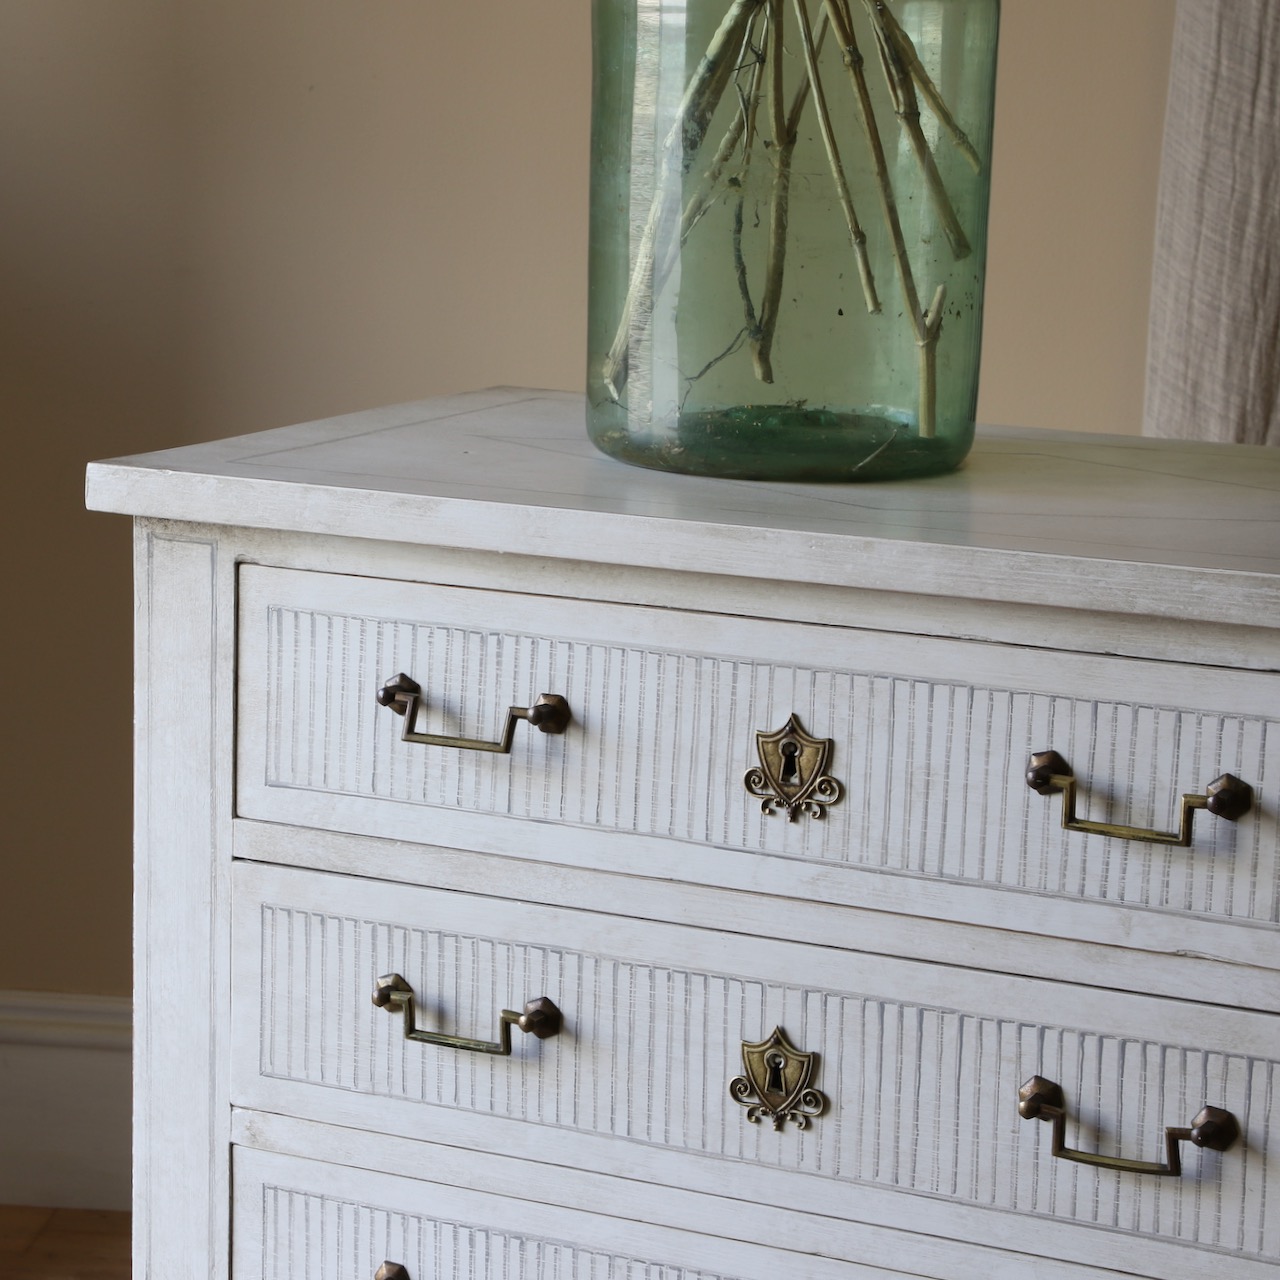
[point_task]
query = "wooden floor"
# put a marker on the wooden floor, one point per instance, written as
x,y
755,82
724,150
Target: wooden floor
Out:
x,y
63,1244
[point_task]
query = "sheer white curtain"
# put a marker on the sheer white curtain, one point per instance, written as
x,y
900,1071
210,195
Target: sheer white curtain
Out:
x,y
1213,364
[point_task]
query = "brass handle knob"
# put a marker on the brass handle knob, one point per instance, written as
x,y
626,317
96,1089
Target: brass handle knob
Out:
x,y
540,1018
391,1271
404,696
1213,1128
1226,797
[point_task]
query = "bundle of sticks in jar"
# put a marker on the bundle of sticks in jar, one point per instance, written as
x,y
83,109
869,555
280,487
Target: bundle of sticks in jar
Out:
x,y
747,52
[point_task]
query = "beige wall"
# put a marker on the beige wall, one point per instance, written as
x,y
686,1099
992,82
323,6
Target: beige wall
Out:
x,y
88,293
223,215
1080,105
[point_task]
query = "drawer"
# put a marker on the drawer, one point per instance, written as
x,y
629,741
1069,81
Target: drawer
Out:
x,y
304,1220
920,1068
929,745
299,1217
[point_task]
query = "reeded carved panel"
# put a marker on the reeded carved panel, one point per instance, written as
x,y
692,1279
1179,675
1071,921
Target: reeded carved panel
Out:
x,y
923,1097
313,1237
932,770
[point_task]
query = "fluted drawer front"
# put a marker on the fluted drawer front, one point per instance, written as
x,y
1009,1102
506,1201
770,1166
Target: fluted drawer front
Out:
x,y
931,740
302,1220
921,1064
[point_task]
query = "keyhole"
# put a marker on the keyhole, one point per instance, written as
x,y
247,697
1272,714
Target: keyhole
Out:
x,y
790,751
773,1080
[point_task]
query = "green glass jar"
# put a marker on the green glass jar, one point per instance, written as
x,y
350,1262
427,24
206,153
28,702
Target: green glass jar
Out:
x,y
788,234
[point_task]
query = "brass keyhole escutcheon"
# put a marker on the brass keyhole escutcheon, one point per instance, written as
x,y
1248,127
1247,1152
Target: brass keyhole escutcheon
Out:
x,y
777,1082
792,776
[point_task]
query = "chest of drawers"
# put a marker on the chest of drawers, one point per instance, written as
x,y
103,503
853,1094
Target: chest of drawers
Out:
x,y
788,956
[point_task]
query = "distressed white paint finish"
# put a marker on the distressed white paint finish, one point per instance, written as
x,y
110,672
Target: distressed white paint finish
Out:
x,y
906,927
298,1220
931,739
1034,517
811,1239
922,1064
1073,628
182,707
939,625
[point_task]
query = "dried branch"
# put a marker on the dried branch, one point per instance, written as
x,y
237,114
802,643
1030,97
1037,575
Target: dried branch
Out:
x,y
855,64
761,329
783,146
742,126
752,327
715,70
907,105
705,89
926,325
927,415
856,234
932,95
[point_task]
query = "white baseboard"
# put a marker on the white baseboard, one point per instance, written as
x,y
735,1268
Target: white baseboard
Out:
x,y
65,1096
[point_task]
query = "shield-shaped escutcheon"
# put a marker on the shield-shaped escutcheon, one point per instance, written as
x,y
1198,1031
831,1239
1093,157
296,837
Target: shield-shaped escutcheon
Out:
x,y
776,1082
792,774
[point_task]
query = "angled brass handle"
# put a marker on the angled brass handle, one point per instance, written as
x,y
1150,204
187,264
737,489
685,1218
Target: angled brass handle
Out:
x,y
403,695
540,1017
1041,1099
1225,797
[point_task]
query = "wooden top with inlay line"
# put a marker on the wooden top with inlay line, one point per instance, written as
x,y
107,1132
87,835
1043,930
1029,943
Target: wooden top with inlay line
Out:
x,y
1172,529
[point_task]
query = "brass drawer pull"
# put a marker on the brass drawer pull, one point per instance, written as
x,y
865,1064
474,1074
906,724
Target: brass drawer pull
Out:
x,y
1226,797
540,1017
404,695
391,1271
1041,1099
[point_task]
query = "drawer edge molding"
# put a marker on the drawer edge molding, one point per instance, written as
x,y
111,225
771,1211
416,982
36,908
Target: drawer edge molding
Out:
x,y
877,1230
1207,958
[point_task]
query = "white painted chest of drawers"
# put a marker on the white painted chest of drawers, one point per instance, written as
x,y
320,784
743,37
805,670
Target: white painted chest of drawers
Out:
x,y
791,794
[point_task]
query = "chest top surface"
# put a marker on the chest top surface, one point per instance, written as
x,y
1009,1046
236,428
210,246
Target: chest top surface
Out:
x,y
1142,526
